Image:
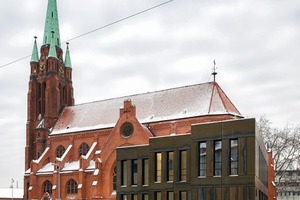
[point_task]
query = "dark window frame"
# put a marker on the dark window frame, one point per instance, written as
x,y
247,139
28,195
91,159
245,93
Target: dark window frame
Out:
x,y
47,187
60,150
145,173
124,169
183,165
202,164
233,159
170,166
83,149
72,187
217,158
134,172
158,164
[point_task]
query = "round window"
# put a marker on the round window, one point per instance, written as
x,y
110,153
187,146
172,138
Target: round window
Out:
x,y
127,129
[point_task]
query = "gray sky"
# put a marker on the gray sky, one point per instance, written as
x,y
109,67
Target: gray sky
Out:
x,y
255,44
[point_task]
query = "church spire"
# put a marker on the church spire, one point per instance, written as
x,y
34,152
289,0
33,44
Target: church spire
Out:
x,y
35,54
68,58
51,24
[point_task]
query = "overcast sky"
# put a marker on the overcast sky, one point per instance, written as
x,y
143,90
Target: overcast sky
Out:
x,y
255,44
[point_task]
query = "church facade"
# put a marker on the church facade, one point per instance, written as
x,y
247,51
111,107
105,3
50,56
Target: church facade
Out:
x,y
70,149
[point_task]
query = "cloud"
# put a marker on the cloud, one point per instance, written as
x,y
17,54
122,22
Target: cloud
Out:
x,y
255,44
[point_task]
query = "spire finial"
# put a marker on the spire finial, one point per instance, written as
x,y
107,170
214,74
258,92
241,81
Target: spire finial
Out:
x,y
214,73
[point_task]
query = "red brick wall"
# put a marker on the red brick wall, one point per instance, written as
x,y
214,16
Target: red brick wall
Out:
x,y
271,178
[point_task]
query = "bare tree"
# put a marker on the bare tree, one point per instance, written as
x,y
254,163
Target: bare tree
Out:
x,y
285,146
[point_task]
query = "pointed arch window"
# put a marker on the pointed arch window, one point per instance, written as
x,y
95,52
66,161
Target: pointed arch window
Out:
x,y
47,187
60,151
83,149
72,187
114,176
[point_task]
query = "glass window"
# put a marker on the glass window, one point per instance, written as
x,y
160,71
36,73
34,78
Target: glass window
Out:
x,y
145,197
83,149
114,177
134,197
183,165
183,195
201,194
158,167
217,158
170,196
134,171
124,172
60,151
234,157
123,197
170,163
202,159
145,171
72,187
47,186
157,195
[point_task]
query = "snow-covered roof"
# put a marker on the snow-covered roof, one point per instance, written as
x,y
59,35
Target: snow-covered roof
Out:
x,y
65,153
43,154
48,168
71,166
176,103
74,166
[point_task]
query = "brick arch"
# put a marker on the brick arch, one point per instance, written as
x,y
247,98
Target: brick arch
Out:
x,y
107,178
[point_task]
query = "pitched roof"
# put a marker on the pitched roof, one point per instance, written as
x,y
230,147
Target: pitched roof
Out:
x,y
176,103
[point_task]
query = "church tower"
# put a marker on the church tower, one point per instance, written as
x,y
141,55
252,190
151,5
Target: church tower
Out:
x,y
50,86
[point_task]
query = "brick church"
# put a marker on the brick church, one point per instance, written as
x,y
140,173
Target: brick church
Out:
x,y
70,149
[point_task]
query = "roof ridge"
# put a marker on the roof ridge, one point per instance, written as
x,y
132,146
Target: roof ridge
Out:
x,y
137,94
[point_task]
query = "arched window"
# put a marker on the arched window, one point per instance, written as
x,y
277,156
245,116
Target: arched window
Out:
x,y
47,187
60,151
83,149
114,176
72,187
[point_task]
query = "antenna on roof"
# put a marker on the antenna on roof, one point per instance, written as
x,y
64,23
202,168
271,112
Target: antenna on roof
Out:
x,y
214,73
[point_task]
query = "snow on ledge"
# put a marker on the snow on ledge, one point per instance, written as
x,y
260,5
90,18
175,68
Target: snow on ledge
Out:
x,y
40,158
64,155
90,151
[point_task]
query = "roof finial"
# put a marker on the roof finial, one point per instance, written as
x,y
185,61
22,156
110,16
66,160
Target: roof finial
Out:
x,y
214,73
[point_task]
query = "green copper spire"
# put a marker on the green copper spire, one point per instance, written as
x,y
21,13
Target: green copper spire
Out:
x,y
51,24
68,58
52,51
35,54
